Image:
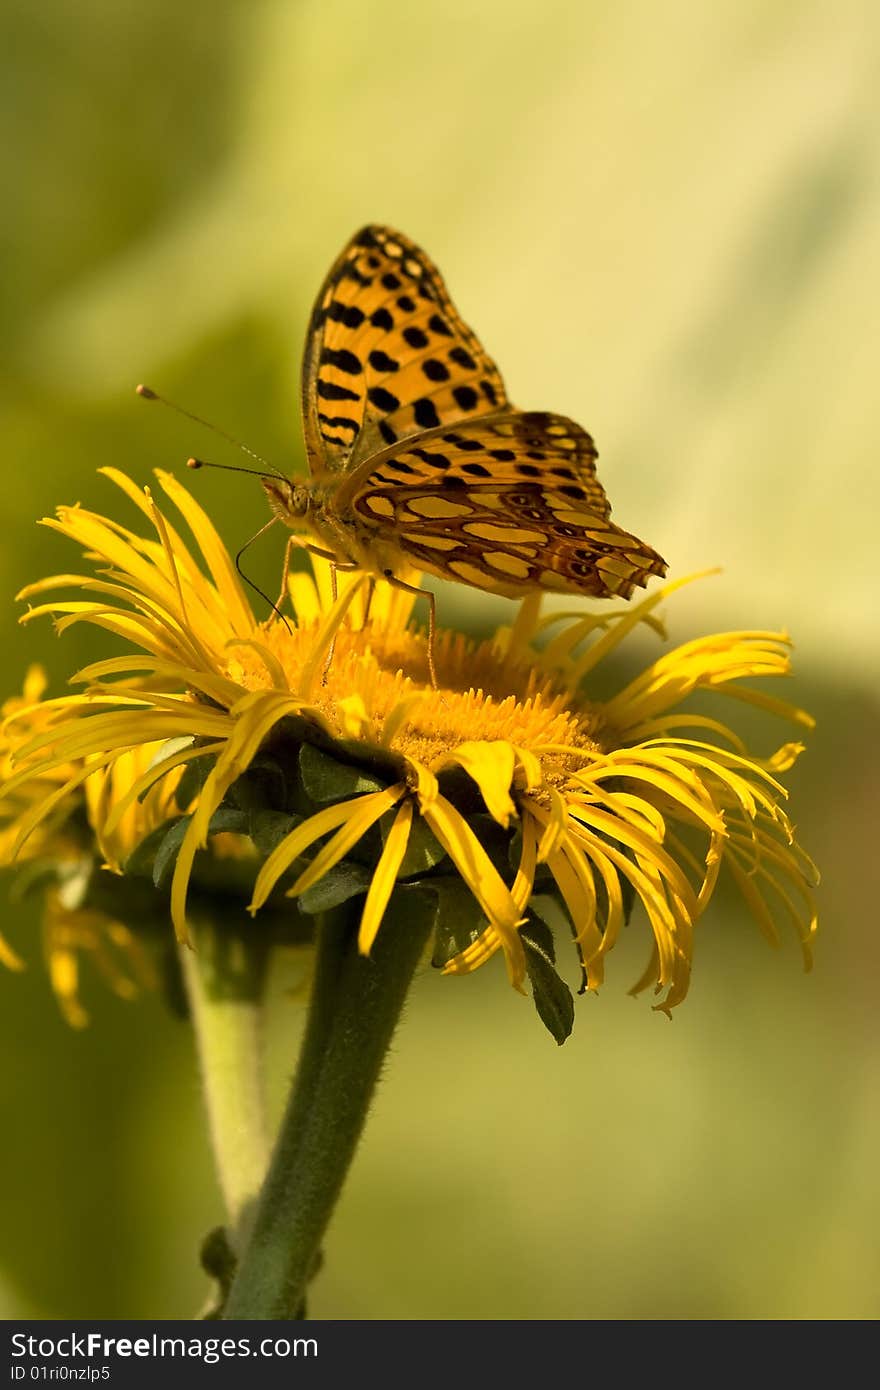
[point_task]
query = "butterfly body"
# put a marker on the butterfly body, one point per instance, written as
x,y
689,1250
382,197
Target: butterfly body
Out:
x,y
417,457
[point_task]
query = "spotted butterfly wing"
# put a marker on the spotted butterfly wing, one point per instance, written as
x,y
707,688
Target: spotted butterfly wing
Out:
x,y
507,503
387,355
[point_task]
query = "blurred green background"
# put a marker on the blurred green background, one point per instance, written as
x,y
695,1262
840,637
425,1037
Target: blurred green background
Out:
x,y
662,220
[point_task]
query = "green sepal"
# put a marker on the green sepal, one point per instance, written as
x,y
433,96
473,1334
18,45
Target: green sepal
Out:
x,y
551,995
345,880
268,828
460,919
263,786
193,778
139,863
326,780
423,850
226,818
543,875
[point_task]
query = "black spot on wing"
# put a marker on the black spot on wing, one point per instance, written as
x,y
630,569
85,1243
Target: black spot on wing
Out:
x,y
339,422
349,314
463,442
415,337
435,370
425,413
380,318
462,358
382,399
431,457
381,362
329,391
342,359
465,396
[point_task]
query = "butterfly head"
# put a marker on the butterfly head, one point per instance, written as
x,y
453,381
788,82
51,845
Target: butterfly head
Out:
x,y
291,502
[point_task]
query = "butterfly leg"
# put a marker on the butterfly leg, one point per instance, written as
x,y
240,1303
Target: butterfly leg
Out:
x,y
285,568
369,603
294,542
432,617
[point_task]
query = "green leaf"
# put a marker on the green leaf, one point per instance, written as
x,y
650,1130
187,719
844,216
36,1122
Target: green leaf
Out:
x,y
460,919
552,996
326,780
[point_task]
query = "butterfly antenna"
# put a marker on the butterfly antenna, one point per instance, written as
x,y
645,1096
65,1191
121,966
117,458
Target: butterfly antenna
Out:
x,y
256,588
148,394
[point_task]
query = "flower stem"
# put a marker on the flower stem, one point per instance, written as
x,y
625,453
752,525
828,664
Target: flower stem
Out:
x,y
356,1004
224,979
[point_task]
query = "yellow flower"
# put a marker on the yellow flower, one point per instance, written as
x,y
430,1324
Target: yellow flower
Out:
x,y
507,779
55,820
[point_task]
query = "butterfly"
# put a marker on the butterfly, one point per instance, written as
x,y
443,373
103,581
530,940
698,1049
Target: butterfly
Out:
x,y
416,454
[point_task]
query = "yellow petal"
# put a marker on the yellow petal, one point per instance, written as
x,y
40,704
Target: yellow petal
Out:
x,y
491,765
295,844
483,879
385,877
362,813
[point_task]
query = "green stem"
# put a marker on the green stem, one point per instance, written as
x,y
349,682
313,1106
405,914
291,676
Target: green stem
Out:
x,y
224,977
355,1007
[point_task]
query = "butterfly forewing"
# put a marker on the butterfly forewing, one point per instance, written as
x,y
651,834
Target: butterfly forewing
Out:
x,y
508,503
387,355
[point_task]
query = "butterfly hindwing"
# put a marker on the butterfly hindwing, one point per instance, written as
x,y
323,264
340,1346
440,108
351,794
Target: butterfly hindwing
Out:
x,y
507,503
387,355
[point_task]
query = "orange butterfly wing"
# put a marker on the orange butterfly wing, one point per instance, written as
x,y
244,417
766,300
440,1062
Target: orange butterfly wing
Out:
x,y
387,355
507,503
